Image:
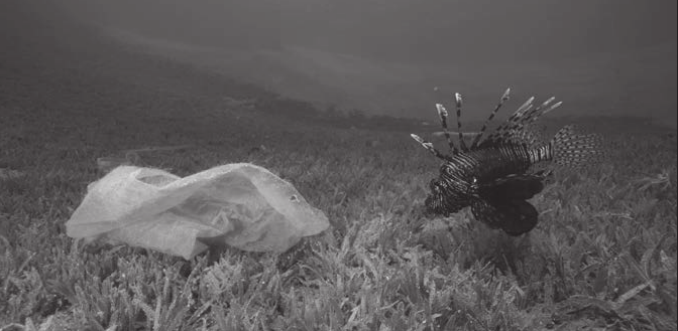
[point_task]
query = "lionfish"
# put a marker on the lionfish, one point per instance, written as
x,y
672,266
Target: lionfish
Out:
x,y
496,176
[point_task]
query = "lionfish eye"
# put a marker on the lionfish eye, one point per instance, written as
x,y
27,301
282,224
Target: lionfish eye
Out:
x,y
446,169
433,185
443,169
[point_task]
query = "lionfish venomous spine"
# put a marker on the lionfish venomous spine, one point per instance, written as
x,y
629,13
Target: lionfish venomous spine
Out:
x,y
496,176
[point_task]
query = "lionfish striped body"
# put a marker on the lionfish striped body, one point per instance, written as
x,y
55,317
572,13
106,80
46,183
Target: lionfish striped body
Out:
x,y
497,175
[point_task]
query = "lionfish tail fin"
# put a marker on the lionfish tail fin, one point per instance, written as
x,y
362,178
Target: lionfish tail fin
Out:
x,y
575,150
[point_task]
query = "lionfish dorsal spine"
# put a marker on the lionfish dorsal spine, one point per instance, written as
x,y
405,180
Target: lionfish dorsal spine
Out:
x,y
515,129
542,109
429,147
442,114
522,109
541,154
527,136
458,102
501,102
502,132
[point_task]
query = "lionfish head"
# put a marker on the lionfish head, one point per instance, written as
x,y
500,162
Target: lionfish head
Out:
x,y
442,199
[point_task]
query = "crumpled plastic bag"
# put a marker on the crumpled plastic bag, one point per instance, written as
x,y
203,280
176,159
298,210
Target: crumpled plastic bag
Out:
x,y
241,205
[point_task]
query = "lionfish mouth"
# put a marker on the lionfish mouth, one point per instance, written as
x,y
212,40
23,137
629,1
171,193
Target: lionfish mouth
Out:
x,y
438,204
432,205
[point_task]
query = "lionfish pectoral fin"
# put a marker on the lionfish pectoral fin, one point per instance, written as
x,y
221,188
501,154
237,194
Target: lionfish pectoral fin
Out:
x,y
521,217
486,213
513,187
515,217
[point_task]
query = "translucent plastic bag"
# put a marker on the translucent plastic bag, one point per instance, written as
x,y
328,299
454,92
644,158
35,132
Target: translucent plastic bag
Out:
x,y
240,205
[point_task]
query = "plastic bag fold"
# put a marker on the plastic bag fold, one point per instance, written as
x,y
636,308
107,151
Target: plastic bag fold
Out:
x,y
240,205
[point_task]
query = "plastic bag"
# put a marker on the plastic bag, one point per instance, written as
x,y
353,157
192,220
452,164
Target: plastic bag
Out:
x,y
240,205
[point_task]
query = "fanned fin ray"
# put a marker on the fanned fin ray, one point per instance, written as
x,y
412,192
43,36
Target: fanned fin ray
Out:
x,y
458,102
442,114
516,128
503,99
